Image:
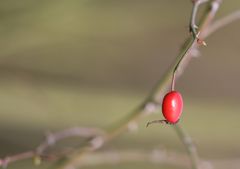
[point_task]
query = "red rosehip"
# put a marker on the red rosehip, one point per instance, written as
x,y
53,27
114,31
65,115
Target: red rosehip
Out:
x,y
172,106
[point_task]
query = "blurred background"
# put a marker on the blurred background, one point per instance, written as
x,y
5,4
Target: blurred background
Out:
x,y
67,63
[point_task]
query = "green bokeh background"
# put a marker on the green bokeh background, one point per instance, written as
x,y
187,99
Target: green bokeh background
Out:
x,y
67,63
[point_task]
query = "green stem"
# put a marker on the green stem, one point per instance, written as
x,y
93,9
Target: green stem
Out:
x,y
187,142
193,26
154,99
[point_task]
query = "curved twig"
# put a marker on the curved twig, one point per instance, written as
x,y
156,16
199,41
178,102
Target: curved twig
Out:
x,y
97,137
222,22
50,140
154,100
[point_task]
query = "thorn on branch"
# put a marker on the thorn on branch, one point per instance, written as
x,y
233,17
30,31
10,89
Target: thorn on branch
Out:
x,y
149,108
201,42
97,142
132,126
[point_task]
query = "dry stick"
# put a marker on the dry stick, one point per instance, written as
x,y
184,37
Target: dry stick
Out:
x,y
11,159
154,100
50,140
114,157
153,156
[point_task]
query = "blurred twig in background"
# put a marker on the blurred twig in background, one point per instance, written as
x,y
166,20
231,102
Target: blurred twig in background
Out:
x,y
222,22
157,156
50,140
96,138
153,101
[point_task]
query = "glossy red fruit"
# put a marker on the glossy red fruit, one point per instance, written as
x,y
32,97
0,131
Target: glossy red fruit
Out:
x,y
172,106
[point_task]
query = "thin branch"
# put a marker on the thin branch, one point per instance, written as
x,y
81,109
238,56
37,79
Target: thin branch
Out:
x,y
157,156
97,137
184,137
17,157
193,27
53,138
196,34
222,22
154,156
191,149
50,140
154,100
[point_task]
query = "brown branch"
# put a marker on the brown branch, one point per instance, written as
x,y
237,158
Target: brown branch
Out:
x,y
154,156
17,157
154,100
97,137
184,137
222,22
50,140
157,156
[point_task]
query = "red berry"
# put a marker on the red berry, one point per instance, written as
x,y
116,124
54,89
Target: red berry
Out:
x,y
172,106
